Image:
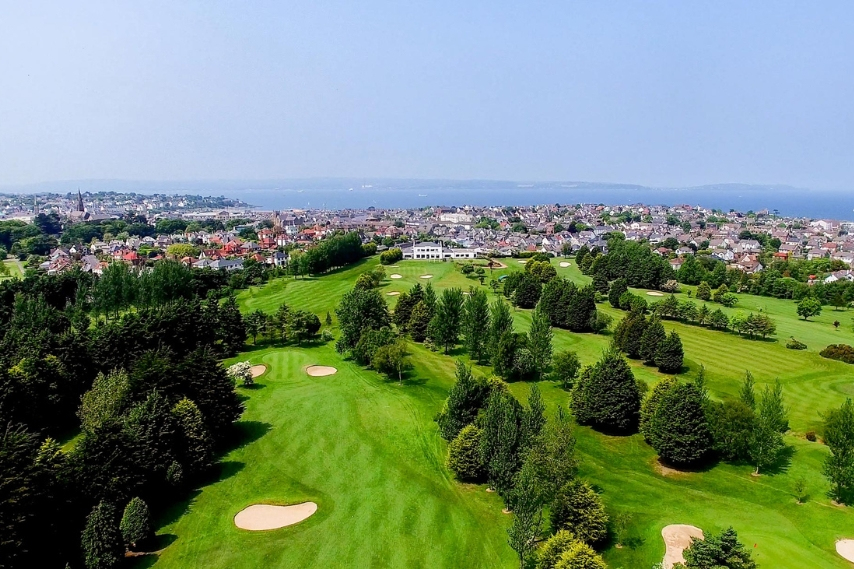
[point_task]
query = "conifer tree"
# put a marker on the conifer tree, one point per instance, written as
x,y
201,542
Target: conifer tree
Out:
x,y
766,442
680,432
607,395
500,322
136,523
466,397
540,340
651,338
704,291
579,509
102,541
747,394
476,324
198,447
501,440
669,355
419,321
839,465
618,288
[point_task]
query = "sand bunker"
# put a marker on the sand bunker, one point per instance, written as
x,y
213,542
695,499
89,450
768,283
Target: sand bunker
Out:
x,y
395,276
426,276
845,548
564,264
393,293
655,293
261,517
677,538
523,261
320,371
257,370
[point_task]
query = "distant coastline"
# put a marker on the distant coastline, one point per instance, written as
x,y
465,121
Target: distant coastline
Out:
x,y
358,193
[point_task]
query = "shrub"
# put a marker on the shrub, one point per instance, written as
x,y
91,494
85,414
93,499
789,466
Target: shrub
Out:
x,y
464,458
391,256
101,541
841,352
578,508
810,435
793,344
549,554
241,372
580,556
670,286
136,523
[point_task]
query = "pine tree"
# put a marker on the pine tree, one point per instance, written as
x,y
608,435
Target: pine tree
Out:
x,y
652,336
607,395
723,551
839,465
534,417
444,328
136,523
679,429
579,555
101,541
501,440
500,322
464,458
618,288
540,340
466,397
579,509
419,321
629,333
476,324
527,506
198,447
549,553
650,406
669,355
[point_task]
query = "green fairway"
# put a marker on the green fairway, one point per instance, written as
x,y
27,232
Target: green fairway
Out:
x,y
368,451
13,268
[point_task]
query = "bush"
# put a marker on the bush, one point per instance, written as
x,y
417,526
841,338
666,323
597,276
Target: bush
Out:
x,y
580,556
549,554
136,523
241,372
101,541
578,508
391,256
841,352
793,344
464,458
810,435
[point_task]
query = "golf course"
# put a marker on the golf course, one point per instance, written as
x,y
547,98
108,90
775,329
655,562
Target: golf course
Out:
x,y
367,452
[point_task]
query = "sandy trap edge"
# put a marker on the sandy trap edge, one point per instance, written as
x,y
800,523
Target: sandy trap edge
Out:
x,y
320,371
845,548
257,370
677,538
654,293
260,517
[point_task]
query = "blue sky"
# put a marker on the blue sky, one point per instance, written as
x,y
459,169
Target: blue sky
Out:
x,y
658,93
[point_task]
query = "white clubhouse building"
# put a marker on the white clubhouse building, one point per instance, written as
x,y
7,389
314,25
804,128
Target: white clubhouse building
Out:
x,y
430,250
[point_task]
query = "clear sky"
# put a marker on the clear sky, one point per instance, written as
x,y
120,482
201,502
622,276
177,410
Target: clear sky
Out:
x,y
658,93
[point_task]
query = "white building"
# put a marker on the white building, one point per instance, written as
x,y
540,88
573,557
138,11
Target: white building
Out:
x,y
430,250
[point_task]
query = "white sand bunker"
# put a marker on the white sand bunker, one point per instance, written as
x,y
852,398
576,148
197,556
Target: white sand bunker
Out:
x,y
257,370
395,276
393,293
564,264
655,293
677,538
261,517
426,276
320,371
845,548
523,261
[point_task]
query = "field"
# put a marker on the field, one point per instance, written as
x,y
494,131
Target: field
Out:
x,y
14,269
368,452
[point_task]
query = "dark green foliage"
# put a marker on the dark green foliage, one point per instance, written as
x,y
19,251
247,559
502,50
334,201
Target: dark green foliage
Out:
x,y
629,334
465,399
766,441
405,304
581,310
841,352
136,523
358,311
551,453
618,288
419,321
722,551
540,340
731,424
607,395
475,324
101,541
637,264
500,322
678,430
502,440
704,291
511,359
652,336
650,406
839,465
527,291
600,282
154,432
579,509
526,501
464,457
794,344
669,355
197,447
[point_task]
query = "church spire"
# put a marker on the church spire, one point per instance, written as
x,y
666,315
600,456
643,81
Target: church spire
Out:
x,y
80,207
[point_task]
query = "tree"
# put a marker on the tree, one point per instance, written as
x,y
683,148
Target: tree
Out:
x,y
358,311
196,441
607,395
565,368
579,509
629,333
540,340
527,505
580,556
678,428
302,325
722,551
466,397
704,291
618,288
731,424
136,523
241,372
181,250
746,394
102,542
464,458
106,400
501,440
500,322
444,328
551,454
766,442
475,324
669,355
652,336
256,322
527,291
391,359
549,553
839,465
419,322
809,306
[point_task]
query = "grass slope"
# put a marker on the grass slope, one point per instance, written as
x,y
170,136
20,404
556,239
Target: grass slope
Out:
x,y
368,452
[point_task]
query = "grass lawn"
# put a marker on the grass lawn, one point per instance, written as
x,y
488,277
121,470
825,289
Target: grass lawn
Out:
x,y
13,266
368,452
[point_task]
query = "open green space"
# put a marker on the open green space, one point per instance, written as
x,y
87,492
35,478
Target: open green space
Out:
x,y
13,268
368,451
